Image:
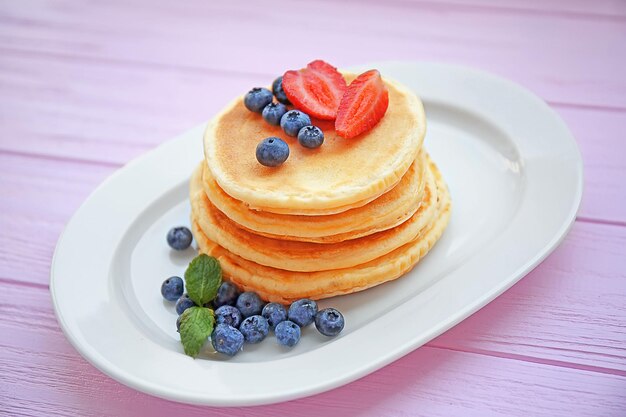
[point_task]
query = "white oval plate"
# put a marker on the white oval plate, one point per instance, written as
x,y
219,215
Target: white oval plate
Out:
x,y
515,176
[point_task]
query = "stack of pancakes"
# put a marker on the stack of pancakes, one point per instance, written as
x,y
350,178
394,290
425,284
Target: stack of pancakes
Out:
x,y
349,215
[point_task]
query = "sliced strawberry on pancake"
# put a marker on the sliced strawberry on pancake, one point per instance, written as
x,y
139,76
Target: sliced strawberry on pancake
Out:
x,y
362,106
316,89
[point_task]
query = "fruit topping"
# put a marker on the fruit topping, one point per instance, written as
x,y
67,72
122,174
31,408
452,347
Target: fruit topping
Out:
x,y
316,89
250,304
228,315
273,112
172,288
254,329
227,294
302,312
311,137
287,333
226,339
293,121
362,106
179,238
279,93
257,98
272,152
274,313
329,322
183,303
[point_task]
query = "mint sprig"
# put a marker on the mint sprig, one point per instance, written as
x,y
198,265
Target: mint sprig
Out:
x,y
196,325
203,278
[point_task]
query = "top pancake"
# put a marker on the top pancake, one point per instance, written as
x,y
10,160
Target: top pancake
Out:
x,y
339,175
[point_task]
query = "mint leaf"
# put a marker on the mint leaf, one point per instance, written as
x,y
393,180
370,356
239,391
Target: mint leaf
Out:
x,y
196,324
202,279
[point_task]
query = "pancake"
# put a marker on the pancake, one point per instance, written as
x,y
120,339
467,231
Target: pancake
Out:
x,y
278,285
307,256
339,175
387,211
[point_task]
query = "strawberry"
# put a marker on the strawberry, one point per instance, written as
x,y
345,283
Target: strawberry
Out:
x,y
316,89
362,106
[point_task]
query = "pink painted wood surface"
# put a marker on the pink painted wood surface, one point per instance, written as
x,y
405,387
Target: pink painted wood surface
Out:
x,y
48,378
128,121
87,85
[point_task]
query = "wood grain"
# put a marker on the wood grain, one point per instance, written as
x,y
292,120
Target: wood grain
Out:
x,y
570,309
86,85
535,50
43,375
112,114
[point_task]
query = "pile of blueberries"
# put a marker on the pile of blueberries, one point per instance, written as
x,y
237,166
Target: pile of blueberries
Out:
x,y
244,317
273,151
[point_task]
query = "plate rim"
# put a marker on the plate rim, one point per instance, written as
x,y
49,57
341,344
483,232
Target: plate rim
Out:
x,y
146,386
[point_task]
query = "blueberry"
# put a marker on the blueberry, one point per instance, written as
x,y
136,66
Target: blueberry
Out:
x,y
277,89
272,152
172,288
179,238
293,121
228,315
329,322
178,323
274,313
311,137
257,99
254,329
183,303
249,303
287,333
227,294
226,339
273,112
302,312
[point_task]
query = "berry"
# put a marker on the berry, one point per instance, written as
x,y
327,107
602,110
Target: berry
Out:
x,y
179,238
273,112
227,294
249,304
228,315
172,288
183,303
293,121
279,93
302,312
257,99
226,339
178,323
362,106
274,313
311,137
254,329
329,322
316,89
287,333
272,151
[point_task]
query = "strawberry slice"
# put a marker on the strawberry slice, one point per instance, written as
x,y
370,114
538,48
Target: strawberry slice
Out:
x,y
316,89
362,106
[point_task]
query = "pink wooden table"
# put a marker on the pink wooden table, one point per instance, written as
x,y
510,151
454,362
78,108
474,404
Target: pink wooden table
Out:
x,y
87,85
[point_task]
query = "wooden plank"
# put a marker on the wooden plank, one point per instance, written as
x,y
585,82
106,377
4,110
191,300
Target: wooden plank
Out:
x,y
598,136
581,9
570,307
535,50
38,198
43,376
104,113
112,114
